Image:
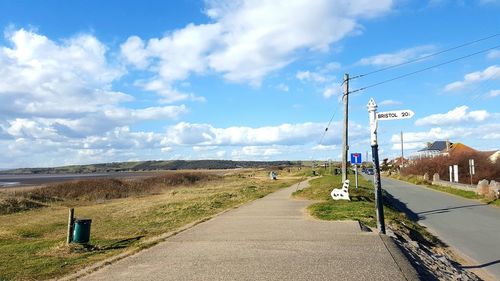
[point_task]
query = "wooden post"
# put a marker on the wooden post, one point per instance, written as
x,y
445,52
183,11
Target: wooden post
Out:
x,y
345,142
71,215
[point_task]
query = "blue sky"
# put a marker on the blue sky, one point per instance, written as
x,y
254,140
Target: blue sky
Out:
x,y
103,81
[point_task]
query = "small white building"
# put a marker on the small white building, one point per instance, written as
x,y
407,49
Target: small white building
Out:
x,y
494,157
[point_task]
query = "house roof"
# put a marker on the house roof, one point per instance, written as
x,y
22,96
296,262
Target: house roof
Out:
x,y
437,145
460,148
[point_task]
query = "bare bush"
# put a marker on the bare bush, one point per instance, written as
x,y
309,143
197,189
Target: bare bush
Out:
x,y
10,205
485,169
103,189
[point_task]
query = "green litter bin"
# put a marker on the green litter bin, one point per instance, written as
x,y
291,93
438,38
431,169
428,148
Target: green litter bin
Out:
x,y
81,231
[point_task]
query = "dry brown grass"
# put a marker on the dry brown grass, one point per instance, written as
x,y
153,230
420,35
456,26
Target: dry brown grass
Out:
x,y
98,190
32,243
105,189
10,204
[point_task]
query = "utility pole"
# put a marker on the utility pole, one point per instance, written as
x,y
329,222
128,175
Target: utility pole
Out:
x,y
345,145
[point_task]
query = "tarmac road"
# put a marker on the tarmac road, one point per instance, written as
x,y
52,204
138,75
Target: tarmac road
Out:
x,y
269,239
469,226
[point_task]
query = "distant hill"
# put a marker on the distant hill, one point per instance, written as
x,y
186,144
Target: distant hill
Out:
x,y
150,166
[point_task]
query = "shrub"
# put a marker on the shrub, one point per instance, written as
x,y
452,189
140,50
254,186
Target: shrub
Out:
x,y
10,205
485,169
103,189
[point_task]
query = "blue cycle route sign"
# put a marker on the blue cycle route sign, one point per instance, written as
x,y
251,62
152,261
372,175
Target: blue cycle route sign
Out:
x,y
356,158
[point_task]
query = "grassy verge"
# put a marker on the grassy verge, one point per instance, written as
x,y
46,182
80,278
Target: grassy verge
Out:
x,y
32,243
495,203
361,207
455,191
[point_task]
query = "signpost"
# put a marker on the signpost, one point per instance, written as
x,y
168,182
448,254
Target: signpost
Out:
x,y
397,114
356,159
374,117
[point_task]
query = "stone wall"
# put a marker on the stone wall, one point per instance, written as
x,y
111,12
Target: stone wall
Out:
x,y
488,189
466,187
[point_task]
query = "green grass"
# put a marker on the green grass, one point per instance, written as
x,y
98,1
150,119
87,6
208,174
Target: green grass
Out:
x,y
495,203
361,207
32,243
455,191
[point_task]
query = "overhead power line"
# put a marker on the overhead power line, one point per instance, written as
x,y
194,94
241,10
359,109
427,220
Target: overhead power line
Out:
x,y
422,70
329,123
427,56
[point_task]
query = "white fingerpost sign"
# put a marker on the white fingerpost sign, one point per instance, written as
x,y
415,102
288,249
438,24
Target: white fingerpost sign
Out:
x,y
374,117
372,114
396,114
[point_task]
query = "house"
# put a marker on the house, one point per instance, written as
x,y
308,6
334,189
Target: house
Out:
x,y
495,155
399,161
434,149
445,148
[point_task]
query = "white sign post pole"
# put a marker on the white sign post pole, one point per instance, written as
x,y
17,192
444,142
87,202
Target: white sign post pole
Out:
x,y
356,172
472,170
455,167
372,113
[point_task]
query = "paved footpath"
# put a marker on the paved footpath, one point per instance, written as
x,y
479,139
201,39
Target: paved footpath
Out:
x,y
269,239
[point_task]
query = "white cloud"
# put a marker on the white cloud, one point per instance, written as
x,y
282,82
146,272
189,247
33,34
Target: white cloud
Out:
x,y
333,90
25,128
284,134
122,138
490,73
133,51
172,58
248,152
43,78
431,135
311,76
454,134
57,102
494,54
389,103
452,117
220,153
494,93
321,147
65,84
204,148
247,39
166,149
489,2
492,136
151,113
407,146
331,66
398,57
283,87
